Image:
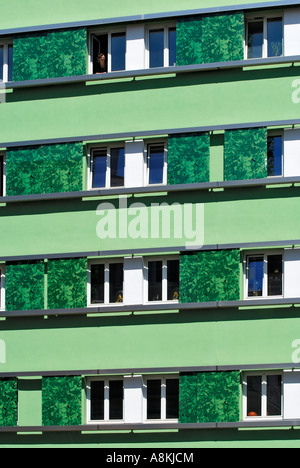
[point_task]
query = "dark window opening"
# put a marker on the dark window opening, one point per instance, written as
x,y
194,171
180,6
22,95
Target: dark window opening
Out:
x,y
156,161
109,52
274,275
99,168
97,400
116,274
117,166
115,399
155,281
100,47
97,284
255,39
275,149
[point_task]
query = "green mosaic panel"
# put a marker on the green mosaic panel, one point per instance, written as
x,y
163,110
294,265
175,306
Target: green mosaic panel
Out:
x,y
189,41
223,38
50,55
24,286
188,158
44,169
8,402
61,401
245,154
209,397
210,276
67,283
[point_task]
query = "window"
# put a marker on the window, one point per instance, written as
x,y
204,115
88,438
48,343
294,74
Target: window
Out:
x,y
162,279
262,395
113,47
275,156
106,283
107,167
264,37
264,275
6,62
162,398
2,175
2,287
156,164
105,398
161,50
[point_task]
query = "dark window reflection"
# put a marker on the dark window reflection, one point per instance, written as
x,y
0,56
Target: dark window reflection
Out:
x,y
273,395
275,148
275,37
118,51
255,39
117,166
1,62
116,276
172,398
255,276
172,47
99,168
154,399
156,48
254,395
97,284
173,280
274,275
97,400
156,159
116,399
155,281
10,63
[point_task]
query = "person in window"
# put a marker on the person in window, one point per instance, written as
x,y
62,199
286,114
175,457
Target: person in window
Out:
x,y
101,64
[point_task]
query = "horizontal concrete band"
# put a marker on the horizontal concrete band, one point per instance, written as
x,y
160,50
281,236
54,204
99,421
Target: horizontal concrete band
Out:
x,y
151,16
289,123
95,193
195,68
289,423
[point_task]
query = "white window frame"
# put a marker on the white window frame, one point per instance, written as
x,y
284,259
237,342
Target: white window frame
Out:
x,y
264,18
106,264
5,44
264,415
90,156
146,161
163,399
154,27
265,255
109,34
164,261
106,381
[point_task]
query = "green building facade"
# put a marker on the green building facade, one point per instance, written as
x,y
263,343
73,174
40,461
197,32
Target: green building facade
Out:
x,y
150,237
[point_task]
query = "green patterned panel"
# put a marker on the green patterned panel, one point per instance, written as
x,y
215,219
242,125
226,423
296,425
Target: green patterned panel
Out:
x,y
189,41
67,283
210,276
209,397
50,55
44,169
61,401
223,38
245,154
8,402
24,286
188,158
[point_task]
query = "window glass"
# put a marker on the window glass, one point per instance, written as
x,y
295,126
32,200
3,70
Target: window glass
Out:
x,y
156,159
173,279
255,276
155,281
116,273
172,47
274,275
156,48
1,62
154,399
172,398
99,168
97,400
116,399
97,284
275,35
118,51
275,156
117,165
10,63
254,395
273,395
255,39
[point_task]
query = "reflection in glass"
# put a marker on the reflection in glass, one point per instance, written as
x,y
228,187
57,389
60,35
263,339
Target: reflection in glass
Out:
x,y
173,279
155,281
172,47
274,275
116,273
156,161
255,276
273,395
275,35
117,166
99,168
97,400
275,156
154,399
97,284
1,62
254,395
172,398
255,39
156,48
10,63
118,51
115,399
